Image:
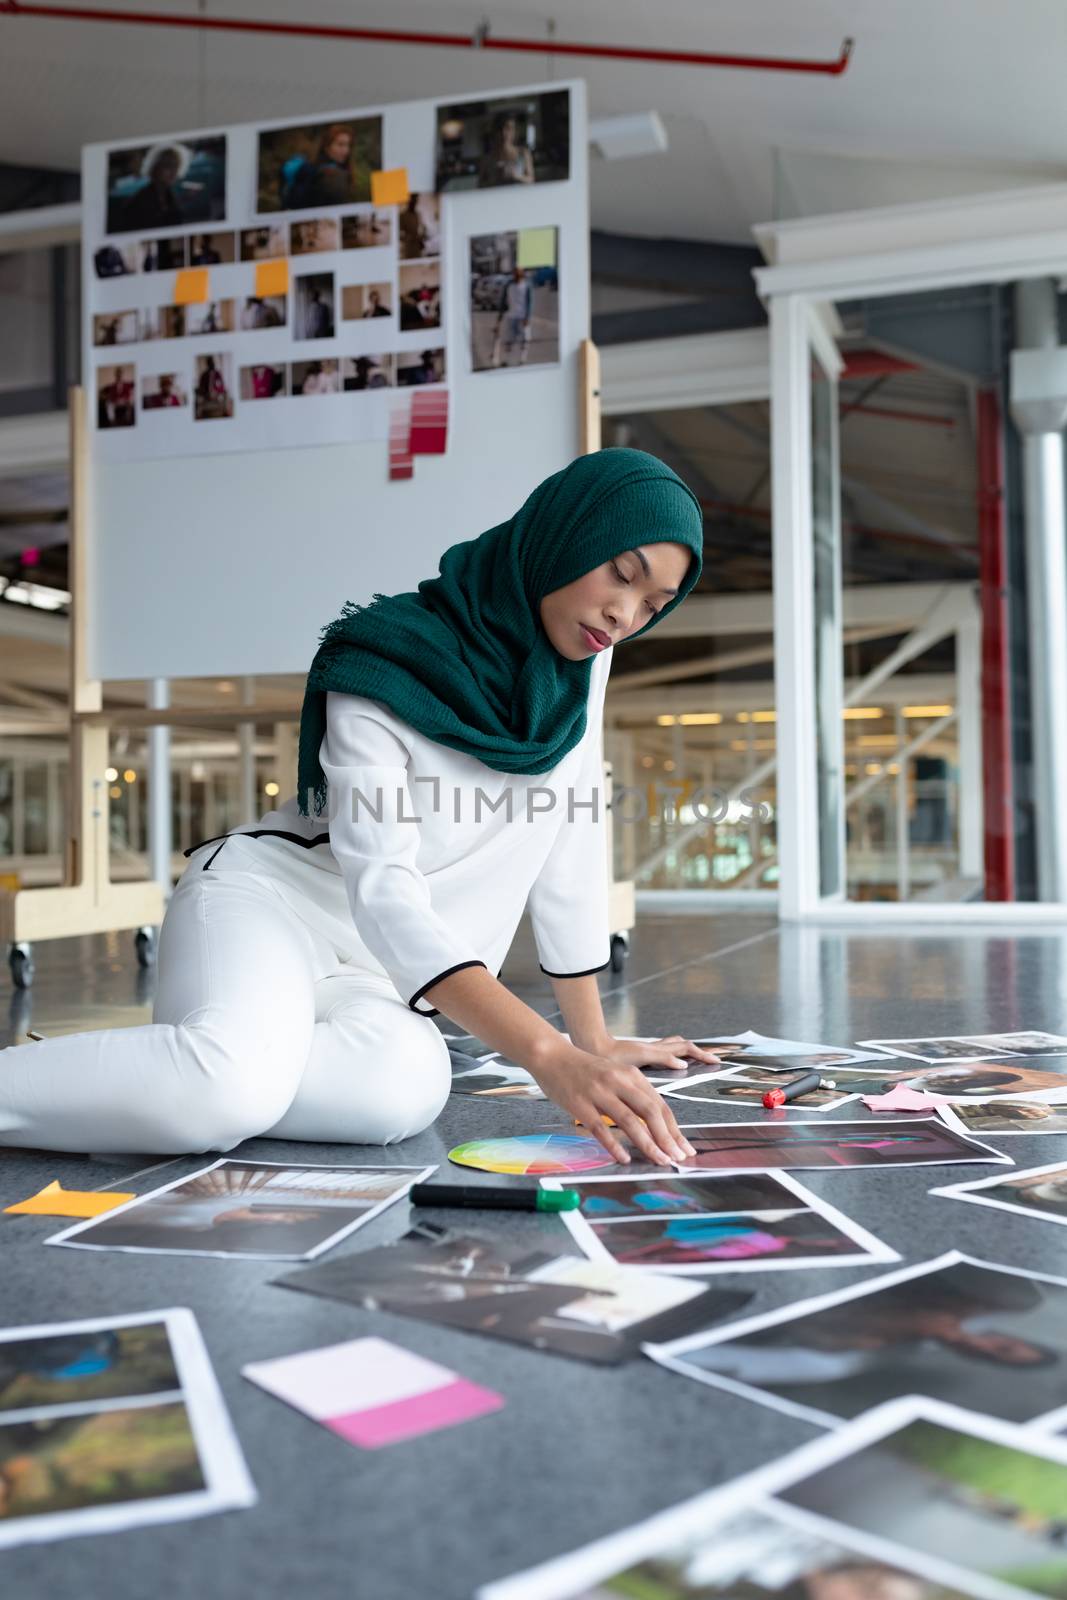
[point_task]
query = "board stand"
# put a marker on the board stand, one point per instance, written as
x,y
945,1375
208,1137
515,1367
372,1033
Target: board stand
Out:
x,y
87,901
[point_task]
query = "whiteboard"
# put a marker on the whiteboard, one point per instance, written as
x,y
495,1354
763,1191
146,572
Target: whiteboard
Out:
x,y
228,561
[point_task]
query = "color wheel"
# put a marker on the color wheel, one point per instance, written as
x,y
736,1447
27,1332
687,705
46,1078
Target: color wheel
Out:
x,y
532,1153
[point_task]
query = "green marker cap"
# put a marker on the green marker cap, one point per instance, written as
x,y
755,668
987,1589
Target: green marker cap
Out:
x,y
558,1199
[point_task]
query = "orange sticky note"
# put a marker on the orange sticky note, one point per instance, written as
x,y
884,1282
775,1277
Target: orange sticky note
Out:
x,y
190,286
389,188
272,277
54,1201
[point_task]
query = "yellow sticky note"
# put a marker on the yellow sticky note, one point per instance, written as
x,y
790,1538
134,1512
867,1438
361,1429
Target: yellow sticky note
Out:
x,y
54,1201
537,247
389,188
190,286
272,277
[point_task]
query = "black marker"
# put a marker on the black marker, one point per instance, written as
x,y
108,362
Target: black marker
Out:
x,y
490,1197
789,1091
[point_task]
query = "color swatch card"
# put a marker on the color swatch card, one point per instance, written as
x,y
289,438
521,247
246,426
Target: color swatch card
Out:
x,y
372,1392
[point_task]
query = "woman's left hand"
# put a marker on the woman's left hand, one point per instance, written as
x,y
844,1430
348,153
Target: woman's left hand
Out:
x,y
670,1053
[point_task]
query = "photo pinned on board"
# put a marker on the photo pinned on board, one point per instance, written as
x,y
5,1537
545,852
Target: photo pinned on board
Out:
x,y
210,316
212,249
420,366
314,305
513,139
163,322
263,311
163,391
418,227
213,387
788,1226
116,327
116,391
419,296
264,381
367,372
317,164
314,234
366,230
163,255
264,244
116,261
950,1326
514,299
314,377
165,185
360,300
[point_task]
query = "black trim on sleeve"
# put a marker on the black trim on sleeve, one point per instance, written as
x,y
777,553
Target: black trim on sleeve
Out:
x,y
440,976
586,974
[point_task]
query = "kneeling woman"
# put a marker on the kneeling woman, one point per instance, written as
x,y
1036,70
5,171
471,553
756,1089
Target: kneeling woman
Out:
x,y
450,774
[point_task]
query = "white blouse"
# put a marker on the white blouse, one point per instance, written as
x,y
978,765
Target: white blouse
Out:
x,y
425,858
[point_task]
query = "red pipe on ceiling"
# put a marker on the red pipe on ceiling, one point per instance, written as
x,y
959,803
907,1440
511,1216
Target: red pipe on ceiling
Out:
x,y
481,40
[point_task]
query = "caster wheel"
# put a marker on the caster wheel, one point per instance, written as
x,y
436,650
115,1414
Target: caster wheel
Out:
x,y
20,960
620,948
144,942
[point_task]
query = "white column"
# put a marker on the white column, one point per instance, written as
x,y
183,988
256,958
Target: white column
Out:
x,y
246,742
969,734
794,636
160,843
903,841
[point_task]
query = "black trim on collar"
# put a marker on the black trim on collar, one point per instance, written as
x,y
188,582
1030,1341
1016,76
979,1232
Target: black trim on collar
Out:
x,y
259,833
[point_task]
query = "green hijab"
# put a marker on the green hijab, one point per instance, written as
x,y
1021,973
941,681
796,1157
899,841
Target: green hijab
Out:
x,y
465,659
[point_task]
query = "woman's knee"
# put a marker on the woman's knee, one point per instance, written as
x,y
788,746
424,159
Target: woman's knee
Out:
x,y
403,1088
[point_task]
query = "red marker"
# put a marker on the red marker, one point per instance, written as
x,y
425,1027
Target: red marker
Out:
x,y
789,1091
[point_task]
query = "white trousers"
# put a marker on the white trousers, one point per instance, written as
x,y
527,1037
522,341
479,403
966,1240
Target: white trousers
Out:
x,y
259,1028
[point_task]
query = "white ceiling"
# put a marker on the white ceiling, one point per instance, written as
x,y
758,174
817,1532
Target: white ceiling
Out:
x,y
941,97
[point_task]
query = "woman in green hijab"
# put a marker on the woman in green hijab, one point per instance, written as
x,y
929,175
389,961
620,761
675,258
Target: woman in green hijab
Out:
x,y
449,776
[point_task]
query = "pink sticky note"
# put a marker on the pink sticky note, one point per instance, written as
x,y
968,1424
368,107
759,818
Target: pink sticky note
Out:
x,y
902,1098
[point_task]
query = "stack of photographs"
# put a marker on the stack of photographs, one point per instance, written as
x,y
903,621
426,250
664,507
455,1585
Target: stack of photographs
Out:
x,y
112,1423
728,1223
916,1499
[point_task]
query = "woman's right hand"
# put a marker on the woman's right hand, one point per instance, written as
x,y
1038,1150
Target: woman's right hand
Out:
x,y
591,1088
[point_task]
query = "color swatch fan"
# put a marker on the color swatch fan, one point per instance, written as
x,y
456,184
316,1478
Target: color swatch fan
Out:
x,y
532,1153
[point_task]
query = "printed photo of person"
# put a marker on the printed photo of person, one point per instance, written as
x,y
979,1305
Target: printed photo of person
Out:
x,y
1044,1192
212,249
210,316
163,255
314,377
418,227
663,1243
424,366
214,388
649,1197
359,300
115,397
113,261
317,233
314,305
263,312
420,297
263,382
514,310
983,1079
524,139
366,230
368,372
166,185
737,1091
116,327
264,244
1011,1116
163,391
318,164
953,1332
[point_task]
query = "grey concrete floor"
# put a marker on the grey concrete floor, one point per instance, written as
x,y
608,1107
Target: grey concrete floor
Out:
x,y
577,1451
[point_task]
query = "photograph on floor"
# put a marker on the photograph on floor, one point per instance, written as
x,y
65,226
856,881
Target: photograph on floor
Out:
x,y
116,390
166,185
366,230
248,1208
971,1046
971,1332
419,296
591,1310
418,227
497,1080
514,299
977,1502
111,1423
214,387
788,1227
520,138
1037,1192
263,381
314,302
368,372
163,391
212,249
735,1087
902,1142
318,164
986,1080
1005,1116
359,300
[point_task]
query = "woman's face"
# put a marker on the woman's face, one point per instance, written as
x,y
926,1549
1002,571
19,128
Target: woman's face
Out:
x,y
614,600
339,148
